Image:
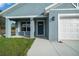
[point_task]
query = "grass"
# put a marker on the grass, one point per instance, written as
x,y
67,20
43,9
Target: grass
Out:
x,y
15,46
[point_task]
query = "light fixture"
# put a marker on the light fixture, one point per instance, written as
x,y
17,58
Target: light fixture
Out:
x,y
53,19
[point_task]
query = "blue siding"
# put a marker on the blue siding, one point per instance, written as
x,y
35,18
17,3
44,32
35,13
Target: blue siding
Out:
x,y
53,26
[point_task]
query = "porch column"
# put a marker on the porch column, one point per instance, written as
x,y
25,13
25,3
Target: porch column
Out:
x,y
32,28
8,28
17,28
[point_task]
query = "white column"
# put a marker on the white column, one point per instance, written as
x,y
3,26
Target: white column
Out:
x,y
18,26
77,5
32,28
8,28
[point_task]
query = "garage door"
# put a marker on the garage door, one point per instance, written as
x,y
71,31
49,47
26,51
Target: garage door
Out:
x,y
68,26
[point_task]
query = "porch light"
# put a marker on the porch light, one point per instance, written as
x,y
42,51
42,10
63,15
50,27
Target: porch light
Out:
x,y
53,19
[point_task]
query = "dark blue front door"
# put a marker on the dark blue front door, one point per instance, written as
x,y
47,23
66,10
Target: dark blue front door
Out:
x,y
40,28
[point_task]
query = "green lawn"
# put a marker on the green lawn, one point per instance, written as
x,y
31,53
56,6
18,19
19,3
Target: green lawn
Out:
x,y
14,46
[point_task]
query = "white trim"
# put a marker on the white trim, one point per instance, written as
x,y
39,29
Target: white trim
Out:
x,y
32,28
27,25
74,5
50,6
24,16
58,27
8,8
68,14
77,5
66,9
56,5
37,27
63,9
18,28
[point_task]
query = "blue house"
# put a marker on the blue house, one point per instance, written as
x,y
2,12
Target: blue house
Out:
x,y
54,21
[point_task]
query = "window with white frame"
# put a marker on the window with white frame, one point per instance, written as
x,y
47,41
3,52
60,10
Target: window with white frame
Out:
x,y
23,26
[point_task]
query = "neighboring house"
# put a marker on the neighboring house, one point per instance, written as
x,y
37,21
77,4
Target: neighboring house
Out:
x,y
58,21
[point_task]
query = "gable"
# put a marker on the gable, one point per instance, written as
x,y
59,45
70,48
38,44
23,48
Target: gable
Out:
x,y
64,6
27,9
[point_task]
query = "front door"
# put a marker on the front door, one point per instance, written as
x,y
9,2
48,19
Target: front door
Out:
x,y
40,28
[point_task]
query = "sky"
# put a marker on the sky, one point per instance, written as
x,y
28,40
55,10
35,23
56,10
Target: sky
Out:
x,y
4,6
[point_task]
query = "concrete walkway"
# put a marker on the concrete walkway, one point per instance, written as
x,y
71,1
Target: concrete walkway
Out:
x,y
43,47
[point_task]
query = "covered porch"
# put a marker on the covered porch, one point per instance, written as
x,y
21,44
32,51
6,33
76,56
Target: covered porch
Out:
x,y
28,26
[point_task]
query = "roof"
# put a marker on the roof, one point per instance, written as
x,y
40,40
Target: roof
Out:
x,y
15,5
4,11
48,8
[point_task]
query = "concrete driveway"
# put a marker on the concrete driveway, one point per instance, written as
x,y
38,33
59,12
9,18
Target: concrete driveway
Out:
x,y
67,48
43,47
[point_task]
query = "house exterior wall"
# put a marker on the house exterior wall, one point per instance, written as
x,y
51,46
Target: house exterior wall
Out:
x,y
53,25
37,9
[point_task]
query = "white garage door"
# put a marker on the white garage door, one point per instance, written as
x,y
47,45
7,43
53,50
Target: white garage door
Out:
x,y
68,26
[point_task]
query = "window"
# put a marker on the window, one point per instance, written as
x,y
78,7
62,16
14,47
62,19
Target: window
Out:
x,y
28,26
23,26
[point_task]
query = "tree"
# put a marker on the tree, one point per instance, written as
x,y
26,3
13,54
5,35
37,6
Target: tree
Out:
x,y
2,24
0,10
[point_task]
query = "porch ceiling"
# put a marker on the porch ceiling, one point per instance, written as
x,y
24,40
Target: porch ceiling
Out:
x,y
19,19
